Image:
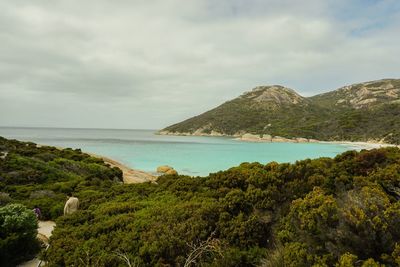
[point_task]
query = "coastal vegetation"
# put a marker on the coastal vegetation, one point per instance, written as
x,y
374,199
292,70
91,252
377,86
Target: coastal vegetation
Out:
x,y
341,211
322,212
44,176
360,112
18,229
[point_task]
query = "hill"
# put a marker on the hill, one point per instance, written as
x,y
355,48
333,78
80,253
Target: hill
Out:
x,y
367,111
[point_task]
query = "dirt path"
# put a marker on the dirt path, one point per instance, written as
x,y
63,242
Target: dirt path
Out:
x,y
46,228
44,233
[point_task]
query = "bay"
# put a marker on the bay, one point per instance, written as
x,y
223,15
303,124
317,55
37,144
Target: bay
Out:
x,y
191,155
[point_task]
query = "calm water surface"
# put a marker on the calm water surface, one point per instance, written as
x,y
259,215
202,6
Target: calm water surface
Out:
x,y
191,155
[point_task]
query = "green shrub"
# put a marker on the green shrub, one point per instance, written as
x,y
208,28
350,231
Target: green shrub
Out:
x,y
18,230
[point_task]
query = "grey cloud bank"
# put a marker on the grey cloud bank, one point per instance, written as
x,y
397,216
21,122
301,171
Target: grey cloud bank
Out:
x,y
147,64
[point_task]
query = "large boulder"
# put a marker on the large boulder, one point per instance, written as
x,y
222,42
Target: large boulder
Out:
x,y
266,138
250,137
171,172
167,170
281,139
164,169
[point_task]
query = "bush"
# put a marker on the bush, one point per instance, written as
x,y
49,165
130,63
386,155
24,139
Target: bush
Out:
x,y
18,230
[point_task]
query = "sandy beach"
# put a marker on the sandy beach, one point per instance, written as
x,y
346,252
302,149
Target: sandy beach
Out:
x,y
130,176
248,137
356,145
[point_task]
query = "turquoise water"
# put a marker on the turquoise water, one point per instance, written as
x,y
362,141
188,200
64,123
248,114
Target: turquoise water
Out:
x,y
190,155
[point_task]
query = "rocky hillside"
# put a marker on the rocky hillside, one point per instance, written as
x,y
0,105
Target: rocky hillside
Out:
x,y
273,96
367,111
362,95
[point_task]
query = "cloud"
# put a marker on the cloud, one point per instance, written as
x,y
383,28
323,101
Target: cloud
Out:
x,y
147,64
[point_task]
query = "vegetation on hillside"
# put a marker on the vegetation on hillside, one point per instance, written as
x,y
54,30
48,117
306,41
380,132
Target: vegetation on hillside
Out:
x,y
328,117
343,211
43,176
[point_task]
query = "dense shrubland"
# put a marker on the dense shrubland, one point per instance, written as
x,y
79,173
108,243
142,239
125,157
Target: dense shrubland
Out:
x,y
31,176
43,176
324,212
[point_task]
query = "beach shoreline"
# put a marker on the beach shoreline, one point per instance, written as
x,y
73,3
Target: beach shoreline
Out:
x,y
129,175
247,137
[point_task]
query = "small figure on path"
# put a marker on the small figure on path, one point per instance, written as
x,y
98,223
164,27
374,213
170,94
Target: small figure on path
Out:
x,y
37,212
71,205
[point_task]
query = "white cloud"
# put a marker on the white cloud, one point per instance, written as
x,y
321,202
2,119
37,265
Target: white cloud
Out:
x,y
147,64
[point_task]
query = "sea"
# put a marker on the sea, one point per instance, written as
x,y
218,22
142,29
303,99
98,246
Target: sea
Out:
x,y
190,155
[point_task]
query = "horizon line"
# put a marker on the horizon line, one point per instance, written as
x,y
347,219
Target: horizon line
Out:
x,y
77,128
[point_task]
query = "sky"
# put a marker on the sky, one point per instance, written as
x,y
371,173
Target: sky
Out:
x,y
147,64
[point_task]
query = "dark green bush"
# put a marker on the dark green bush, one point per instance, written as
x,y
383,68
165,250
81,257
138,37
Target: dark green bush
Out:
x,y
18,230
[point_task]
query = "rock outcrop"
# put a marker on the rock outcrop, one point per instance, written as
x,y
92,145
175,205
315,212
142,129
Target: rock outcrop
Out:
x,y
165,169
268,138
276,94
171,172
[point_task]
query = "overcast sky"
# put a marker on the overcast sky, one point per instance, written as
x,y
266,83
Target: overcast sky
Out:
x,y
147,64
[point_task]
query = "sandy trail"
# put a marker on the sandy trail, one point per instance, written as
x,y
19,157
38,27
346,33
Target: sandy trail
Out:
x,y
46,228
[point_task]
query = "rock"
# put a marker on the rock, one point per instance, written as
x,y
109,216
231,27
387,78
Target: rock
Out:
x,y
239,134
266,138
281,139
276,94
215,133
3,155
171,172
250,137
164,132
302,140
164,169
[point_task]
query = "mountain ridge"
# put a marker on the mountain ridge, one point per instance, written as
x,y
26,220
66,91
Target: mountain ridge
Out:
x,y
368,111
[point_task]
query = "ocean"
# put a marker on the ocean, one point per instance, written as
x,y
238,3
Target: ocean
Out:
x,y
191,155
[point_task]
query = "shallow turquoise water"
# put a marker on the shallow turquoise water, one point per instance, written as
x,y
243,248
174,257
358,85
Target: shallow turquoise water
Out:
x,y
191,155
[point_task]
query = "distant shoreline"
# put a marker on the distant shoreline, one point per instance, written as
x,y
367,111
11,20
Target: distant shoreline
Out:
x,y
278,139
